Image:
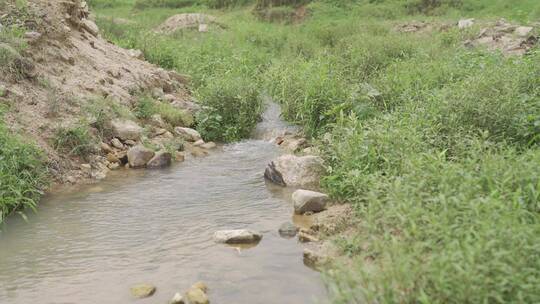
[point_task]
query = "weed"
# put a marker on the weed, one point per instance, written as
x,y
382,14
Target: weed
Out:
x,y
75,140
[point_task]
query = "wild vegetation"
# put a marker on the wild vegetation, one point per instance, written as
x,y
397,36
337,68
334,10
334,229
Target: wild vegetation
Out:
x,y
23,174
434,144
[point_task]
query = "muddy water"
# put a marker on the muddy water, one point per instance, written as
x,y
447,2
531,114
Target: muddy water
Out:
x,y
90,245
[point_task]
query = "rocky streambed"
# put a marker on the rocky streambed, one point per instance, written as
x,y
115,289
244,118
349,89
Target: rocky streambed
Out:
x,y
97,242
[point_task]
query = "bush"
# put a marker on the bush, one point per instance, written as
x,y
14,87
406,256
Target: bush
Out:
x,y
231,108
23,174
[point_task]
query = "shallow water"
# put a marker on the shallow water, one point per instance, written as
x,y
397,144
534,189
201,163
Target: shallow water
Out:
x,y
92,244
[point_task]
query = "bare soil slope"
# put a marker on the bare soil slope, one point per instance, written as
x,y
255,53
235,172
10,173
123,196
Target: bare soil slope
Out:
x,y
66,68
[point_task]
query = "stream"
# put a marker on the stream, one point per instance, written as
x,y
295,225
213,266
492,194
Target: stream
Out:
x,y
90,244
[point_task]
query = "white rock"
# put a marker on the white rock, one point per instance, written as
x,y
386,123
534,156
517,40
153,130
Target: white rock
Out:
x,y
203,28
239,236
136,54
126,129
177,299
465,23
523,31
309,201
188,134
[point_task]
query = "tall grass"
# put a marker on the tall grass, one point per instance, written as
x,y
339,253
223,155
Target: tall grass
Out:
x,y
23,174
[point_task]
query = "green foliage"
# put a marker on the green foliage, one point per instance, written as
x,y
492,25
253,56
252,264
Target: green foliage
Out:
x,y
231,108
75,140
146,107
23,174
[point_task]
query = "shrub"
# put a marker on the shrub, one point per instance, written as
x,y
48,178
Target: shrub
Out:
x,y
231,108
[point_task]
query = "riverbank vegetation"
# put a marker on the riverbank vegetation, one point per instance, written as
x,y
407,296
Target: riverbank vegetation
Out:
x,y
23,174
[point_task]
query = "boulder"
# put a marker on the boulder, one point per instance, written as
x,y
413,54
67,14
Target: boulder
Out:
x,y
291,170
239,236
288,230
139,156
161,159
188,134
196,296
309,201
143,290
126,129
465,23
177,299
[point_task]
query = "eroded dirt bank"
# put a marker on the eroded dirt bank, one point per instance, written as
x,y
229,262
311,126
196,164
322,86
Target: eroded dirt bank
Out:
x,y
64,85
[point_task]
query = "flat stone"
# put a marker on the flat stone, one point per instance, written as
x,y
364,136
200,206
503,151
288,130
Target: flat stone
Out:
x,y
292,170
115,142
198,143
209,145
465,23
523,31
143,290
239,236
188,134
309,201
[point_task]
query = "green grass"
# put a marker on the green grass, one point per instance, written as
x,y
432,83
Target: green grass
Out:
x,y
74,140
435,145
23,174
146,107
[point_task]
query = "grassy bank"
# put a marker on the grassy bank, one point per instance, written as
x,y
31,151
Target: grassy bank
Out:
x,y
435,145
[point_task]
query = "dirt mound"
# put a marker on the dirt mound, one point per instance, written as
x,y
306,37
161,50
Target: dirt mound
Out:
x,y
68,67
186,21
508,38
